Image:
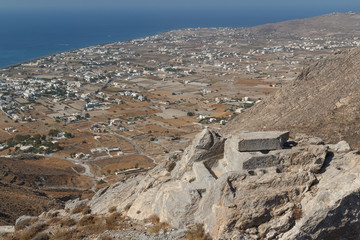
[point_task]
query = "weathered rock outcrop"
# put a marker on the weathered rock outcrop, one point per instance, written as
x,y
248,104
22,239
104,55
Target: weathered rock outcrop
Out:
x,y
307,192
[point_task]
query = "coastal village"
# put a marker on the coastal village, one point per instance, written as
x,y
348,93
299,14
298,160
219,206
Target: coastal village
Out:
x,y
145,99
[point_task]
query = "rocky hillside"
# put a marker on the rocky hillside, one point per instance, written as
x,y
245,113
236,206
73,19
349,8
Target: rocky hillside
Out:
x,y
325,25
250,186
323,101
28,185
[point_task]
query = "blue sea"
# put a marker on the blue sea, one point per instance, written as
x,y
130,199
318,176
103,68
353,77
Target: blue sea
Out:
x,y
27,34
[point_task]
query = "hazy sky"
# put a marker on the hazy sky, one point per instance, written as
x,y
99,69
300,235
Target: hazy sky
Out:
x,y
120,4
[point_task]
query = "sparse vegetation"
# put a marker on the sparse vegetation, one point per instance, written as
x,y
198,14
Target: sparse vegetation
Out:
x,y
197,233
112,209
88,220
106,237
86,210
33,144
25,223
42,236
157,225
67,222
297,212
170,165
127,207
114,220
31,232
79,209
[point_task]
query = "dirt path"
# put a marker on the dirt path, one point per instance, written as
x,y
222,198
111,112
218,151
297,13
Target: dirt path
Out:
x,y
138,150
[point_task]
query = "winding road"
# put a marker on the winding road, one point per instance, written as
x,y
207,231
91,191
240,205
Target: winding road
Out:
x,y
85,166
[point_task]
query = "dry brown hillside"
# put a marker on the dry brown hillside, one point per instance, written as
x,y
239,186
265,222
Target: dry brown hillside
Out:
x,y
323,101
30,185
341,24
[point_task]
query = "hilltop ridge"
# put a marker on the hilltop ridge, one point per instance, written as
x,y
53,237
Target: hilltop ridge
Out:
x,y
333,24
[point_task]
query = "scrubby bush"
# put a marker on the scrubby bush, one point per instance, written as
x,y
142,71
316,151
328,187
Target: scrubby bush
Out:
x,y
112,209
79,209
25,223
114,220
106,237
297,213
31,232
157,225
67,222
88,220
170,166
86,210
197,233
42,236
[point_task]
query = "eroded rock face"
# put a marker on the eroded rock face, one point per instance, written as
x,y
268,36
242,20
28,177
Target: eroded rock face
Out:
x,y
207,145
333,211
306,192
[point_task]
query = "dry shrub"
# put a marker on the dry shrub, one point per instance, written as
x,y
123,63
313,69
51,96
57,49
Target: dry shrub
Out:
x,y
97,228
79,209
88,220
88,225
31,232
91,224
86,210
67,222
106,237
157,227
25,223
42,236
114,220
197,233
155,220
53,221
170,166
55,214
66,234
112,209
127,207
297,212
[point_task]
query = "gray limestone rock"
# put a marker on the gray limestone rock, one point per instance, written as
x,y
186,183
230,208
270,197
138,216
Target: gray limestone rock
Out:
x,y
207,145
261,141
261,161
24,218
315,141
77,203
341,147
6,229
291,195
333,211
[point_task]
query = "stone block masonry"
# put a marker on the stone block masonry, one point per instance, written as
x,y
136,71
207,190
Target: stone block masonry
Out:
x,y
261,161
253,150
261,141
